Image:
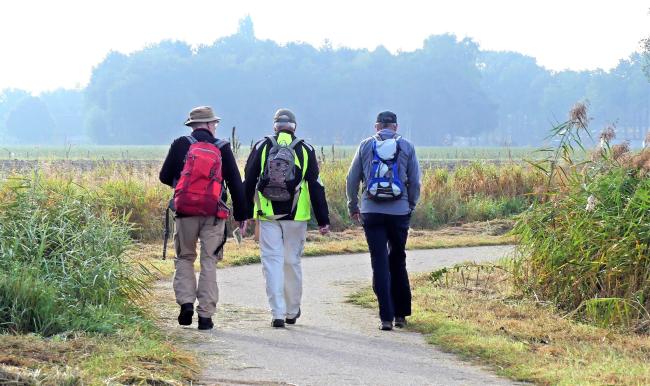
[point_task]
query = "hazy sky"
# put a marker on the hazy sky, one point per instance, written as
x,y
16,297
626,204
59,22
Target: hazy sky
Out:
x,y
48,44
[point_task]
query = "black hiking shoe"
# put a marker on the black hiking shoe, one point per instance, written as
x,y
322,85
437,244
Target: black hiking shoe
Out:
x,y
205,323
293,320
400,322
185,316
386,325
277,323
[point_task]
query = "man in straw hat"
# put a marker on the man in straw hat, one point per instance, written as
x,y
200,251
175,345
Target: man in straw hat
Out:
x,y
205,163
281,181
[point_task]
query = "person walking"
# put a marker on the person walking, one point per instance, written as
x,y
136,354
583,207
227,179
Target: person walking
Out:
x,y
387,166
281,179
197,166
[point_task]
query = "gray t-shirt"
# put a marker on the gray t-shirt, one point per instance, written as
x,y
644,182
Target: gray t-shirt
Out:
x,y
361,169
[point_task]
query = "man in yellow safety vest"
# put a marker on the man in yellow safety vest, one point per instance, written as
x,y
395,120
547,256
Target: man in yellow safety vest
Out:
x,y
281,182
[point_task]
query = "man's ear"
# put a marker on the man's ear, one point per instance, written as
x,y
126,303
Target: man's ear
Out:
x,y
396,126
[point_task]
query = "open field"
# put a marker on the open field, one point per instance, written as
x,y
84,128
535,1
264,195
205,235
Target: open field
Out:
x,y
326,152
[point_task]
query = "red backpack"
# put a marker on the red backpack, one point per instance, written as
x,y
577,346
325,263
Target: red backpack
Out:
x,y
198,191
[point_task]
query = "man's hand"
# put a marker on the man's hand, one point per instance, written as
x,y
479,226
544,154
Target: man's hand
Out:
x,y
356,216
243,225
325,229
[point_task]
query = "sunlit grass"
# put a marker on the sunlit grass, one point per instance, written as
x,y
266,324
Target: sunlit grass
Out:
x,y
486,322
137,355
349,241
72,302
585,244
475,192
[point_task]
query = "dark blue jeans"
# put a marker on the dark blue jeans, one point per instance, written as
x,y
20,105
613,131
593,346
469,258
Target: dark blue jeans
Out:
x,y
386,235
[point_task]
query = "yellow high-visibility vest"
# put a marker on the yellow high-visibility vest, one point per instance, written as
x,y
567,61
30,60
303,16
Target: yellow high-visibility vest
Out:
x,y
303,212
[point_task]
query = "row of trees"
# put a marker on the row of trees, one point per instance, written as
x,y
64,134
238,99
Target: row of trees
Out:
x,y
445,92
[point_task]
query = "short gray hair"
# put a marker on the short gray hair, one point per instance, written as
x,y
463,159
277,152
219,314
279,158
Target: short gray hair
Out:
x,y
284,125
198,125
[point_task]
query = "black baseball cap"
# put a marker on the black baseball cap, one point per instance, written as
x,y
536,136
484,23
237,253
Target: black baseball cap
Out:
x,y
386,117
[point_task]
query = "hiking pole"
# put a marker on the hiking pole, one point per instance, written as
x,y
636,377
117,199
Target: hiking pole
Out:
x,y
166,232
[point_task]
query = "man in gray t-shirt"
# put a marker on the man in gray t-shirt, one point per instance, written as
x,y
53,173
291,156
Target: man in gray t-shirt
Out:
x,y
390,192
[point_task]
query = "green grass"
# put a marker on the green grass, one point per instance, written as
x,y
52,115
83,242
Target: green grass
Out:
x,y
585,244
70,296
136,355
519,338
62,261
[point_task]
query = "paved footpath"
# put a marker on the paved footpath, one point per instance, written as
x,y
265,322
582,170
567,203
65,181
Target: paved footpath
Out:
x,y
333,343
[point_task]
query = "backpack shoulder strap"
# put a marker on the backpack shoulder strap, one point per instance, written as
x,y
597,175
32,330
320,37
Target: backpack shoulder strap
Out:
x,y
295,142
375,155
220,143
191,139
274,142
397,146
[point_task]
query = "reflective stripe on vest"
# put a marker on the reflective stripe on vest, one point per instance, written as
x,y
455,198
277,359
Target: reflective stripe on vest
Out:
x,y
303,211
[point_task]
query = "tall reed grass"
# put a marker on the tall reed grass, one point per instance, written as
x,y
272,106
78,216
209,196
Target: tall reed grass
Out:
x,y
62,259
586,246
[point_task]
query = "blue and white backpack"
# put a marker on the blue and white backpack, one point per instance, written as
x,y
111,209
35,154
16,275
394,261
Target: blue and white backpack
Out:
x,y
384,183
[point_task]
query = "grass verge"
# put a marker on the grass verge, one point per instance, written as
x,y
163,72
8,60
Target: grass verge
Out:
x,y
138,355
72,305
522,339
349,241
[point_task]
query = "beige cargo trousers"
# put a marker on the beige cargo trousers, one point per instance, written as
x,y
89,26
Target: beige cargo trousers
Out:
x,y
209,230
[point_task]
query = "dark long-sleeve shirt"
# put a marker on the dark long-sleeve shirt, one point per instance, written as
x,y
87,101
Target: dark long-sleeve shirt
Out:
x,y
316,189
173,165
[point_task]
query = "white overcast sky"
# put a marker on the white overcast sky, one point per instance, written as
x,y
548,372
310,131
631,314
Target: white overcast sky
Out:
x,y
49,44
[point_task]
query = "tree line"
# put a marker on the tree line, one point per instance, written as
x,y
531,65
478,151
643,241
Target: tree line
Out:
x,y
447,92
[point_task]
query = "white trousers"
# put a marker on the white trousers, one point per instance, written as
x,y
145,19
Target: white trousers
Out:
x,y
281,246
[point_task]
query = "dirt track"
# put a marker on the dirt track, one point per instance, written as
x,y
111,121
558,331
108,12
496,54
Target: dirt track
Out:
x,y
333,342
